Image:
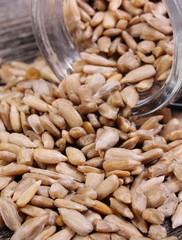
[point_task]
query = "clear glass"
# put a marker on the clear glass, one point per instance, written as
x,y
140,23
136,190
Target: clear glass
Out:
x,y
56,31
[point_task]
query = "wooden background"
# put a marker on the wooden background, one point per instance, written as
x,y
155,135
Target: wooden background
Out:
x,y
17,43
16,37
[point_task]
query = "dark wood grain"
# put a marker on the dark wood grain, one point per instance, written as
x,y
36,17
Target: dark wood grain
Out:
x,y
17,43
5,233
16,37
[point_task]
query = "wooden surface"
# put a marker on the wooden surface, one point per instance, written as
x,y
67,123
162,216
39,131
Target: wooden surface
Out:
x,y
16,37
17,43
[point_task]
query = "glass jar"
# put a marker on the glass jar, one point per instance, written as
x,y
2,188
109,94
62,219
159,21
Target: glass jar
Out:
x,y
56,30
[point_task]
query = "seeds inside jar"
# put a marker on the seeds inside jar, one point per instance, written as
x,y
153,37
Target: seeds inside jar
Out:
x,y
131,38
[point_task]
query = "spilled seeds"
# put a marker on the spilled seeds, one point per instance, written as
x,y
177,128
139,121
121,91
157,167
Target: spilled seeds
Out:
x,y
77,168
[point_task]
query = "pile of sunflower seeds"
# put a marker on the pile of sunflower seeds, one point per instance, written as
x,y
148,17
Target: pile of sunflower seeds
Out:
x,y
80,170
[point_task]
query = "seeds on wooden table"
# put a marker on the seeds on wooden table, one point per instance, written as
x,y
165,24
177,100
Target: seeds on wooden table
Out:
x,y
87,117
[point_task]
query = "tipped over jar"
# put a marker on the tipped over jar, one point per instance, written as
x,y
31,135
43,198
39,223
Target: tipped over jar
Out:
x,y
129,49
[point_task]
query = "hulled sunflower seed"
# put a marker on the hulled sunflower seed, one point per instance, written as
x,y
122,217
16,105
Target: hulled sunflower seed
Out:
x,y
46,233
9,214
76,221
30,228
109,185
28,194
48,156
